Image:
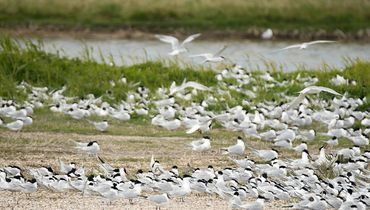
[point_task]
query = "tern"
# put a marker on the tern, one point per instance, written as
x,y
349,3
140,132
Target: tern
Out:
x,y
235,203
237,149
159,200
177,48
12,170
310,90
182,190
268,34
209,57
201,145
267,155
333,141
65,169
77,113
306,44
100,126
91,147
29,186
184,85
15,126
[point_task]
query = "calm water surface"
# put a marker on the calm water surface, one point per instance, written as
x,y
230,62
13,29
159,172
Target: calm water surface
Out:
x,y
250,54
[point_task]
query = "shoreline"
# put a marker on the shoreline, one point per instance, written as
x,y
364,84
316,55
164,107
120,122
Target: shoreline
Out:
x,y
130,33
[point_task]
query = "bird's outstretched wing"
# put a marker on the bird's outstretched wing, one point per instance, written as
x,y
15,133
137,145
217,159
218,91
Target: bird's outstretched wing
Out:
x,y
190,38
193,128
329,90
317,89
289,47
169,39
296,101
190,84
320,41
310,90
195,85
206,55
220,51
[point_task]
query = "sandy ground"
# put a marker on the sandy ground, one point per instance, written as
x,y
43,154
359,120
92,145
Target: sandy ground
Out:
x,y
38,149
44,199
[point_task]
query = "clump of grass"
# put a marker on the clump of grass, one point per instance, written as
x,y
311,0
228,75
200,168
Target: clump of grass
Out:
x,y
326,171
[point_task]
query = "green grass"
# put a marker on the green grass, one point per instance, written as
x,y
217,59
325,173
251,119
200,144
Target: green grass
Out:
x,y
83,76
163,15
86,76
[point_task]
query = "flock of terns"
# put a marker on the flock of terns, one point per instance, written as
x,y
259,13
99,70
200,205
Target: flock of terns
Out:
x,y
179,48
337,179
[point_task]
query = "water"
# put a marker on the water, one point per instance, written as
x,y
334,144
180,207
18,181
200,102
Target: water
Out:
x,y
250,54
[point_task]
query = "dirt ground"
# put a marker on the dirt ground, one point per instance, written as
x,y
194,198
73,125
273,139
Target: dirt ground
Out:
x,y
45,149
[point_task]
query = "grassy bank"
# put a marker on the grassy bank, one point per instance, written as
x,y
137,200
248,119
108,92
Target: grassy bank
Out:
x,y
85,76
163,15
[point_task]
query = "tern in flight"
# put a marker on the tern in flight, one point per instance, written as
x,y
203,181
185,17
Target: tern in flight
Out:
x,y
209,57
177,48
304,45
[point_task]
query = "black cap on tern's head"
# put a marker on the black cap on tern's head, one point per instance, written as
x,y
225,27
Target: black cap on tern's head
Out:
x,y
206,137
137,182
174,167
91,177
140,171
202,180
261,197
220,173
264,175
132,180
236,193
210,166
91,143
273,149
14,166
49,169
